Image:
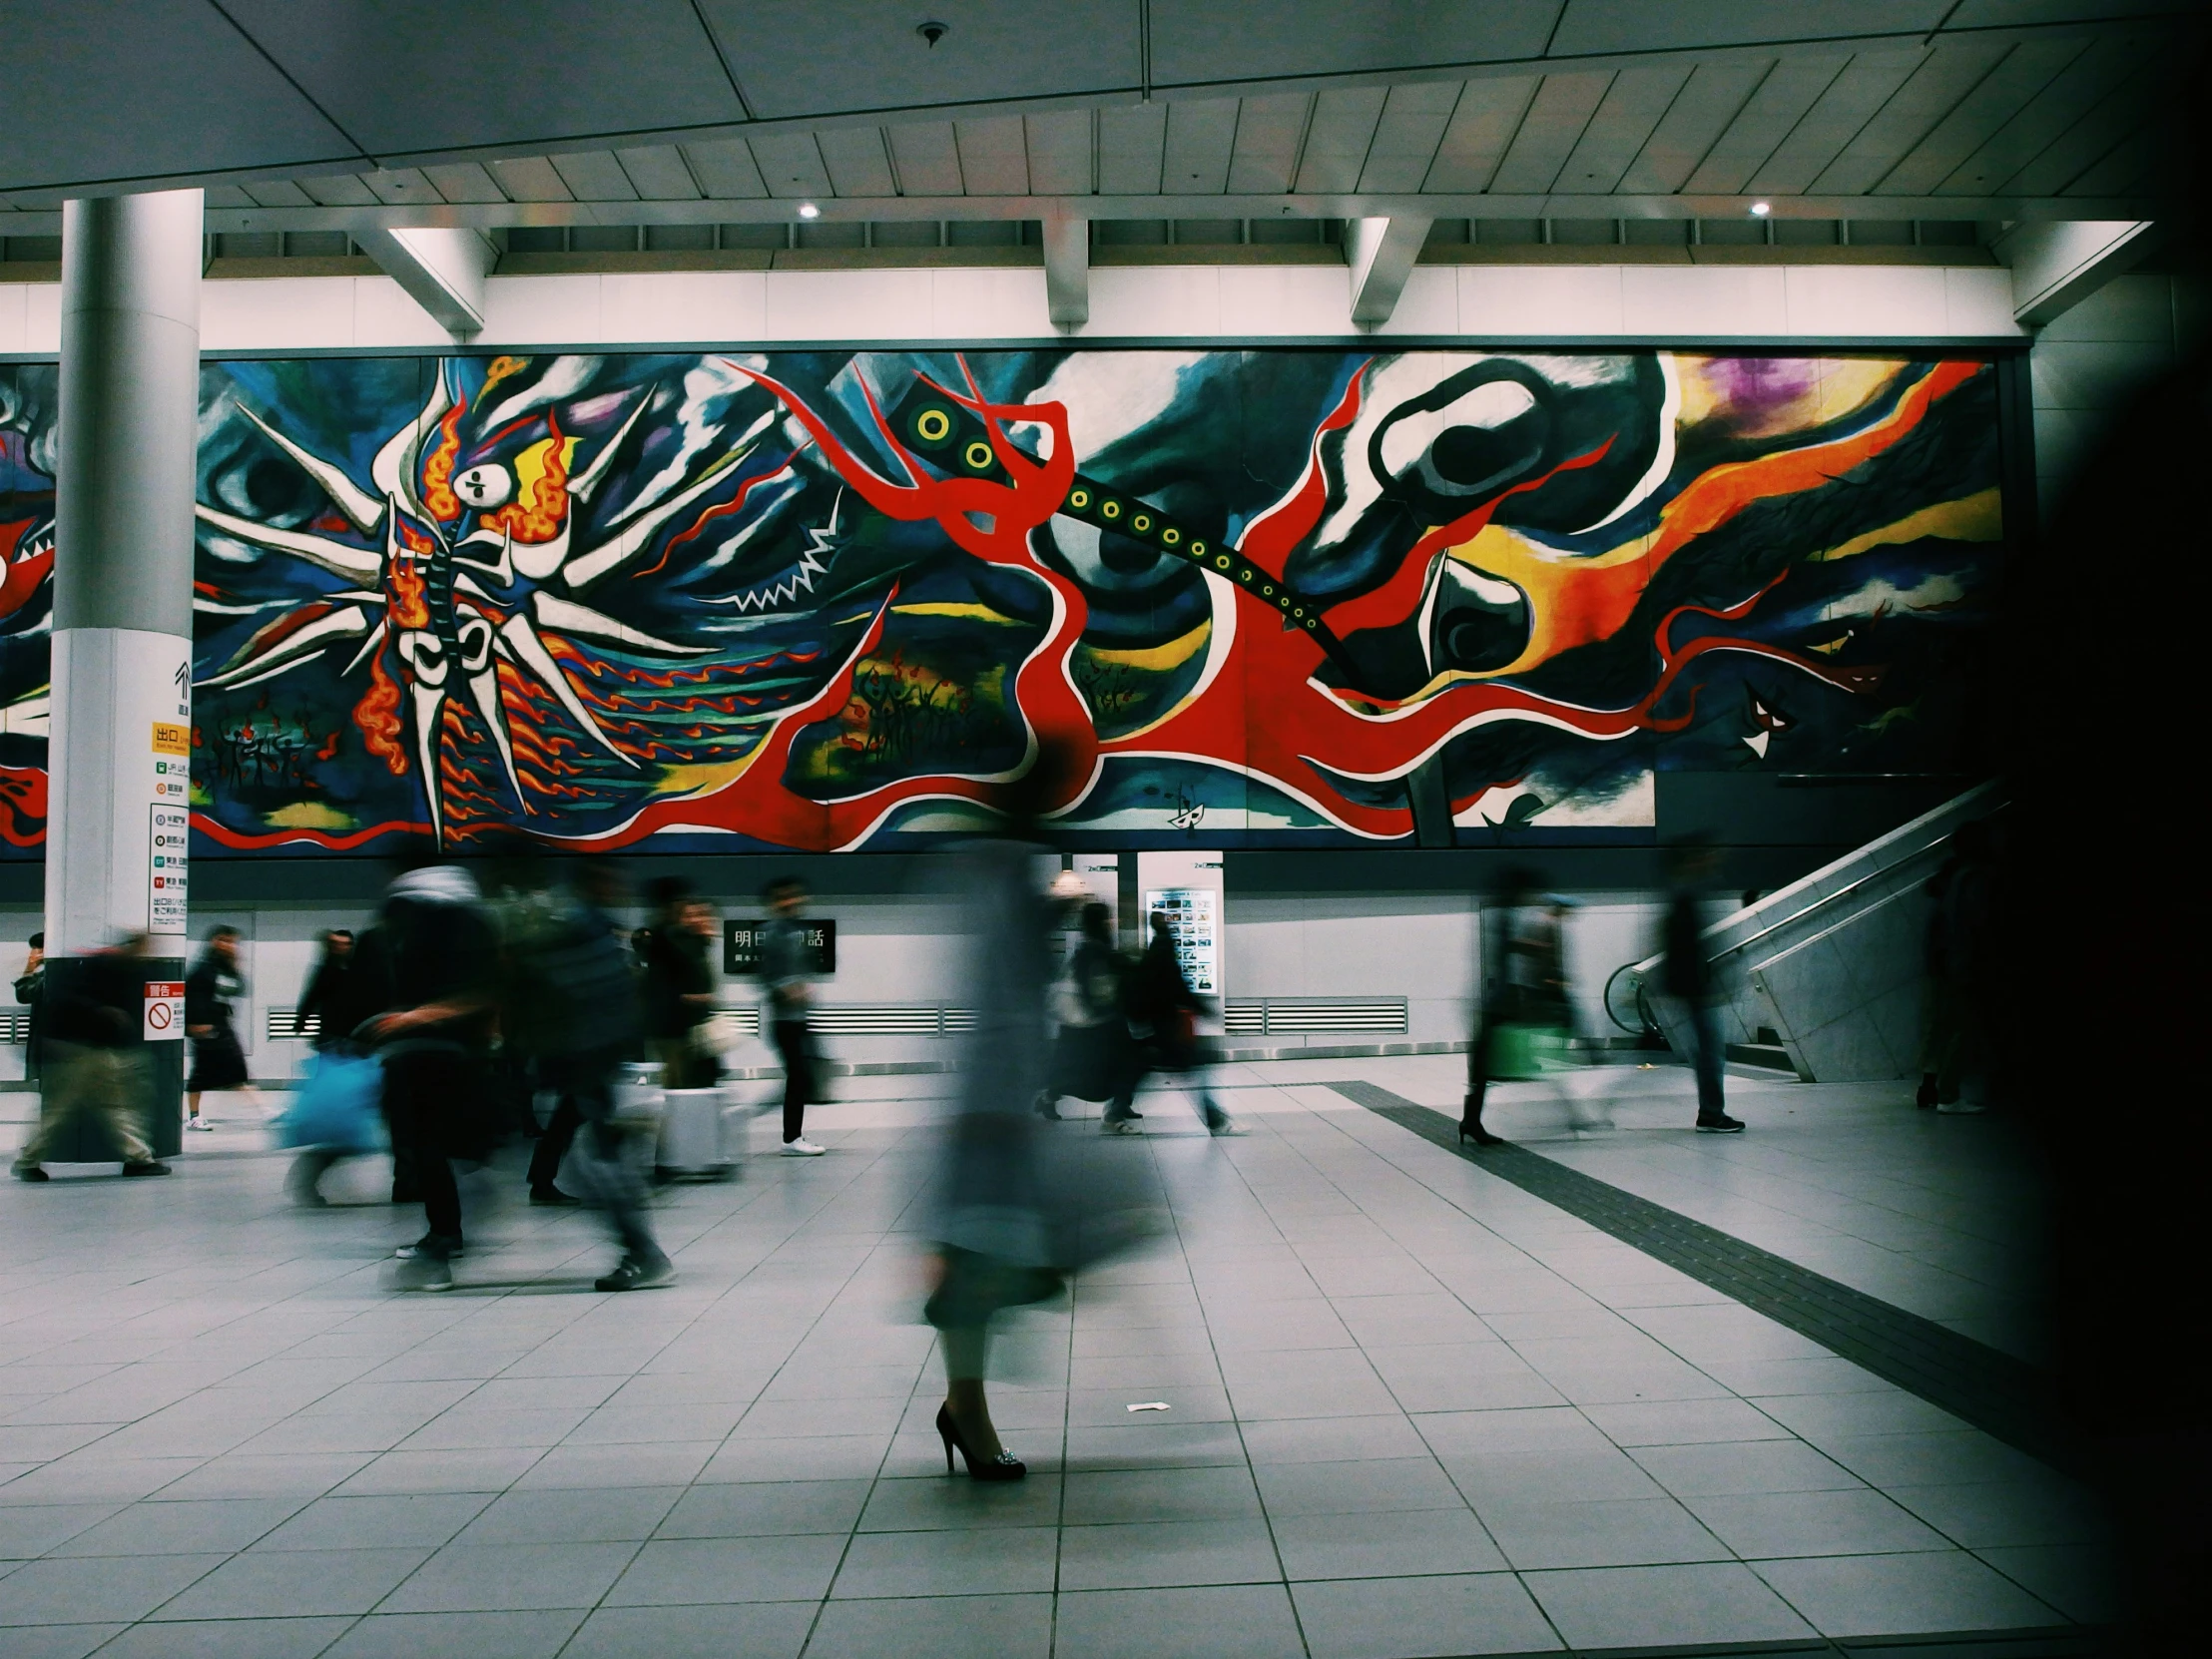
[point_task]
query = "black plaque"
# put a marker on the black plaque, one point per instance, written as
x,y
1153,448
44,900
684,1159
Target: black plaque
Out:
x,y
740,946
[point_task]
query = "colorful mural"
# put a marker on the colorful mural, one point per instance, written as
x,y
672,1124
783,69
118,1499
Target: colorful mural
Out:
x,y
823,599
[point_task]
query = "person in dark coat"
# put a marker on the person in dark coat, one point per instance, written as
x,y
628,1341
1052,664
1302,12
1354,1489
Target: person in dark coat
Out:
x,y
675,953
1952,1043
30,988
434,1037
1163,1002
324,999
1508,977
1091,1057
1687,977
212,992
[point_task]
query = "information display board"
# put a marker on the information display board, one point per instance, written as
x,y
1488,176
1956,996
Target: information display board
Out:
x,y
1193,918
168,840
740,946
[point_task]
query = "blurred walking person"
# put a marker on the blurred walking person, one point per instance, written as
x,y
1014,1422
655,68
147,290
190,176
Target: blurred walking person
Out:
x,y
325,1000
1687,977
785,971
96,1062
1162,1001
1092,1056
212,991
1954,1043
434,1040
675,951
587,968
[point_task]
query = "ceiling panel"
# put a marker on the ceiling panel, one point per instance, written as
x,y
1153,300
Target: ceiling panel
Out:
x,y
1201,134
1888,136
927,158
791,164
1201,42
229,196
401,188
278,193
994,156
1626,118
464,182
407,76
1059,143
1549,132
1269,133
1337,137
176,89
1607,26
529,178
2026,71
1838,125
797,58
1991,14
2122,165
658,174
1791,87
341,190
2117,114
2070,96
1700,113
594,176
1406,139
1482,128
857,160
1129,143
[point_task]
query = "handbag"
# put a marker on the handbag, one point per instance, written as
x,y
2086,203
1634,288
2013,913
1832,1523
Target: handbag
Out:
x,y
1520,1050
337,1105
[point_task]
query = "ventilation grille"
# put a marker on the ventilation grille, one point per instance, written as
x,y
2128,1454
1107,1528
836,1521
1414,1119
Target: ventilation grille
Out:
x,y
890,1020
16,1023
1287,1015
290,1026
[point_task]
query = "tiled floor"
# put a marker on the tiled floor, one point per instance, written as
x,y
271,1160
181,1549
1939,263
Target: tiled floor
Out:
x,y
1412,1411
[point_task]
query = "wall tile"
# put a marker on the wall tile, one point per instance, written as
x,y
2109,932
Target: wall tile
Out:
x,y
1977,299
1702,300
700,307
1540,299
846,305
14,302
1138,301
383,315
553,310
1294,300
977,304
42,319
1833,300
277,314
1430,305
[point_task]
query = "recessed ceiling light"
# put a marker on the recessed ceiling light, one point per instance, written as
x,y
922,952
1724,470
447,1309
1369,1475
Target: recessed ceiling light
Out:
x,y
807,210
1759,209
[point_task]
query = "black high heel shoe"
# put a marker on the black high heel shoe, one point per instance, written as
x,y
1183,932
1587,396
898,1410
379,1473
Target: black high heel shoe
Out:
x,y
1471,1128
1006,1466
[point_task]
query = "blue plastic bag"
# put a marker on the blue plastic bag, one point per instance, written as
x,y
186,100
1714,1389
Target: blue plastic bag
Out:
x,y
337,1105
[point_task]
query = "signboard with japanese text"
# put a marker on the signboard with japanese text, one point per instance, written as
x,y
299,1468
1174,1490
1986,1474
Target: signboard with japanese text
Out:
x,y
740,946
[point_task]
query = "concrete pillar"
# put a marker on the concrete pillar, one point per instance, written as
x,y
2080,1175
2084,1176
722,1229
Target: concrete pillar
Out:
x,y
119,760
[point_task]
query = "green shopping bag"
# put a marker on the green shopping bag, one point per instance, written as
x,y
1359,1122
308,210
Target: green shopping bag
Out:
x,y
1521,1051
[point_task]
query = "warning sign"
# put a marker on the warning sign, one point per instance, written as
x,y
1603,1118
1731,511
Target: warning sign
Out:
x,y
166,841
171,739
165,1010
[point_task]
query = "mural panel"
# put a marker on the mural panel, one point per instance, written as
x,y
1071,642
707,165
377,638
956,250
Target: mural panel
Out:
x,y
821,600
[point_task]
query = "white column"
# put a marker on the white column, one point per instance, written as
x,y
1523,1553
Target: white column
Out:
x,y
119,759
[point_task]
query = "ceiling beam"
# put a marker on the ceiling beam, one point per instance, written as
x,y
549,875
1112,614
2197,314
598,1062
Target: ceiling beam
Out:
x,y
489,215
1068,269
2057,267
442,269
1381,253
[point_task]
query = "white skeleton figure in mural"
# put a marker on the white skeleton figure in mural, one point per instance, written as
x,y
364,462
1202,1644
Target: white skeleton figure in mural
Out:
x,y
454,608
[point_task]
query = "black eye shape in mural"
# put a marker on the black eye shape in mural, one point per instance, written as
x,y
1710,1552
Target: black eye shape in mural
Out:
x,y
822,600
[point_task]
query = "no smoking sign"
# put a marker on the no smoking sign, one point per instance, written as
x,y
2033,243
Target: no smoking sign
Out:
x,y
164,1010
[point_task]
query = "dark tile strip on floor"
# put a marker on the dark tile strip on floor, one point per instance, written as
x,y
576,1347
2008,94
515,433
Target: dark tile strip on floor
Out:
x,y
2057,1642
1997,1393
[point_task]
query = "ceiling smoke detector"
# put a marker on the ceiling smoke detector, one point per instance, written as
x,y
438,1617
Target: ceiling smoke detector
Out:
x,y
932,32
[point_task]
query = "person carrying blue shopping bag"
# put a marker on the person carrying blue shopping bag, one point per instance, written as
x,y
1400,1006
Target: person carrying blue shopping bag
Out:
x,y
336,1113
